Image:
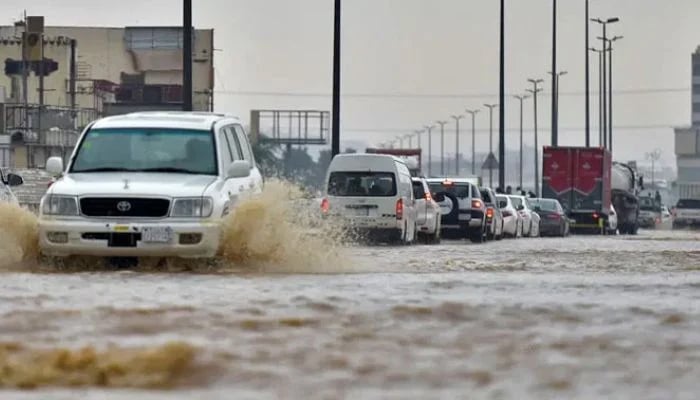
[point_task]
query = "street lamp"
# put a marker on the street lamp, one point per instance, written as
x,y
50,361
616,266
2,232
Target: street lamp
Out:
x,y
605,23
555,96
521,99
473,114
555,131
534,91
442,146
601,137
490,107
429,129
457,118
335,141
610,103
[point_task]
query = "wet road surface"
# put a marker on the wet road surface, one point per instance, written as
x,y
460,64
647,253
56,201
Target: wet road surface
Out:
x,y
575,318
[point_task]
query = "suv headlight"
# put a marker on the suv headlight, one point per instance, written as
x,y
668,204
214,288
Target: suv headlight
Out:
x,y
60,205
197,207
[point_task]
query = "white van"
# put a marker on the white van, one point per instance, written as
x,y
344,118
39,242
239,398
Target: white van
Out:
x,y
374,194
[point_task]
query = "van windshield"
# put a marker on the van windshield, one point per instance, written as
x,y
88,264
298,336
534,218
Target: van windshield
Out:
x,y
362,184
147,150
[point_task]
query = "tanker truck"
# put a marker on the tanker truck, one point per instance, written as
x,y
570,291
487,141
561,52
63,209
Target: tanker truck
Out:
x,y
625,188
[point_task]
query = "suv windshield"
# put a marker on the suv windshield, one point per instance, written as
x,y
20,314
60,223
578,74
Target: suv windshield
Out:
x,y
689,203
362,184
147,150
460,190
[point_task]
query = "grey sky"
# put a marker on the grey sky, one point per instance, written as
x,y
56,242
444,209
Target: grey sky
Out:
x,y
423,48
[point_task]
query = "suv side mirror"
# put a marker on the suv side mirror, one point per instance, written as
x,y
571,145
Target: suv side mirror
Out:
x,y
238,169
439,197
54,166
14,180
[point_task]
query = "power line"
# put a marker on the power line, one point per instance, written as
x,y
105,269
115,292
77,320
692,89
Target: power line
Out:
x,y
621,92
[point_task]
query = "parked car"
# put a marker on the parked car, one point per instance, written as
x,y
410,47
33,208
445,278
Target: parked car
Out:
x,y
650,213
427,212
553,219
463,210
148,184
6,185
512,223
373,193
494,217
686,213
612,221
530,220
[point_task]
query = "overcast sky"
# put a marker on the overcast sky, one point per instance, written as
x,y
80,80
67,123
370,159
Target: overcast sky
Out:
x,y
407,63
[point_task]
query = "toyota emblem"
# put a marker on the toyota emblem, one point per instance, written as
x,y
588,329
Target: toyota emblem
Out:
x,y
124,206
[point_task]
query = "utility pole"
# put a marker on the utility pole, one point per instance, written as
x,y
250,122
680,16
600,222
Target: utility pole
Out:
x,y
521,99
555,96
490,107
187,56
588,81
535,90
442,146
335,141
601,142
457,118
555,132
473,114
610,103
502,109
429,129
605,23
25,77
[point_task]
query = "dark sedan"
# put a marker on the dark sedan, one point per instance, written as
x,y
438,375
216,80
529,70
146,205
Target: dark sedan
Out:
x,y
554,221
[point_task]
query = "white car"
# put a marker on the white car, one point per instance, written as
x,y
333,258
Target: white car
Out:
x,y
427,212
512,223
373,194
612,221
154,184
6,183
530,219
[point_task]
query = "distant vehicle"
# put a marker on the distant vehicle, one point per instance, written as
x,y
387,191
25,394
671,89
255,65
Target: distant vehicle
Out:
x,y
554,221
148,184
530,219
374,194
6,185
650,213
427,212
494,217
686,213
665,213
512,222
463,210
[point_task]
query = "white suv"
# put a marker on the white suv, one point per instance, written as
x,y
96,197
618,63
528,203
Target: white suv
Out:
x,y
148,184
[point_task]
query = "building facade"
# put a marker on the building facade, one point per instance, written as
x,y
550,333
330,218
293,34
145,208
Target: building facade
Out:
x,y
687,141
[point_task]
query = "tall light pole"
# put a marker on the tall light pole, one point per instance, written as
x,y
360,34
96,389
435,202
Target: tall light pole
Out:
x,y
588,80
442,146
555,131
521,99
610,103
601,140
429,129
502,109
418,134
555,96
457,118
187,56
535,90
335,141
473,114
605,23
490,107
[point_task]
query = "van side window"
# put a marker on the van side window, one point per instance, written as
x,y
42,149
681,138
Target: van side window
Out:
x,y
233,143
245,145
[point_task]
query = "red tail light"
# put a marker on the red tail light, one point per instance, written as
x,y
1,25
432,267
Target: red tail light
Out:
x,y
595,216
325,206
399,209
489,213
554,216
477,204
428,197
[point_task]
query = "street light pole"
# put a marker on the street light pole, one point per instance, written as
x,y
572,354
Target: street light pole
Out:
x,y
605,49
442,146
521,99
187,56
610,103
588,81
600,96
502,109
490,107
654,156
555,96
473,114
535,90
457,118
555,132
429,129
335,141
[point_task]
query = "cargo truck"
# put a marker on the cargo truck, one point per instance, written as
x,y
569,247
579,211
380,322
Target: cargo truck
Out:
x,y
582,180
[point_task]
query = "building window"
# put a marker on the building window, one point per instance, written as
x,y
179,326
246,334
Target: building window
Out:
x,y
696,108
154,38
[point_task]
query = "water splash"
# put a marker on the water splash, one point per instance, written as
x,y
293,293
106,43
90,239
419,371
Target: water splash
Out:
x,y
19,238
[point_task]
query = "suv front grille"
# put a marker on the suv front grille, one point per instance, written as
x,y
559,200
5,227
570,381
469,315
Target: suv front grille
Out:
x,y
124,207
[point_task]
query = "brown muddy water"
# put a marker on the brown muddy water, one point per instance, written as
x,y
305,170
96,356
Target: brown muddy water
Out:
x,y
575,318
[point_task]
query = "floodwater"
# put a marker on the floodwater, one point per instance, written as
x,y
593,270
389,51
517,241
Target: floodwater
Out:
x,y
574,318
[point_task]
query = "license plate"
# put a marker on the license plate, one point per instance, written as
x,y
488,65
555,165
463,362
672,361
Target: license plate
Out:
x,y
157,235
362,212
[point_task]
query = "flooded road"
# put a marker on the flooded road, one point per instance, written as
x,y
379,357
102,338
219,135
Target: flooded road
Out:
x,y
576,318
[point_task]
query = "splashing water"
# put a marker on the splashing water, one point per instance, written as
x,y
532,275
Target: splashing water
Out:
x,y
18,236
